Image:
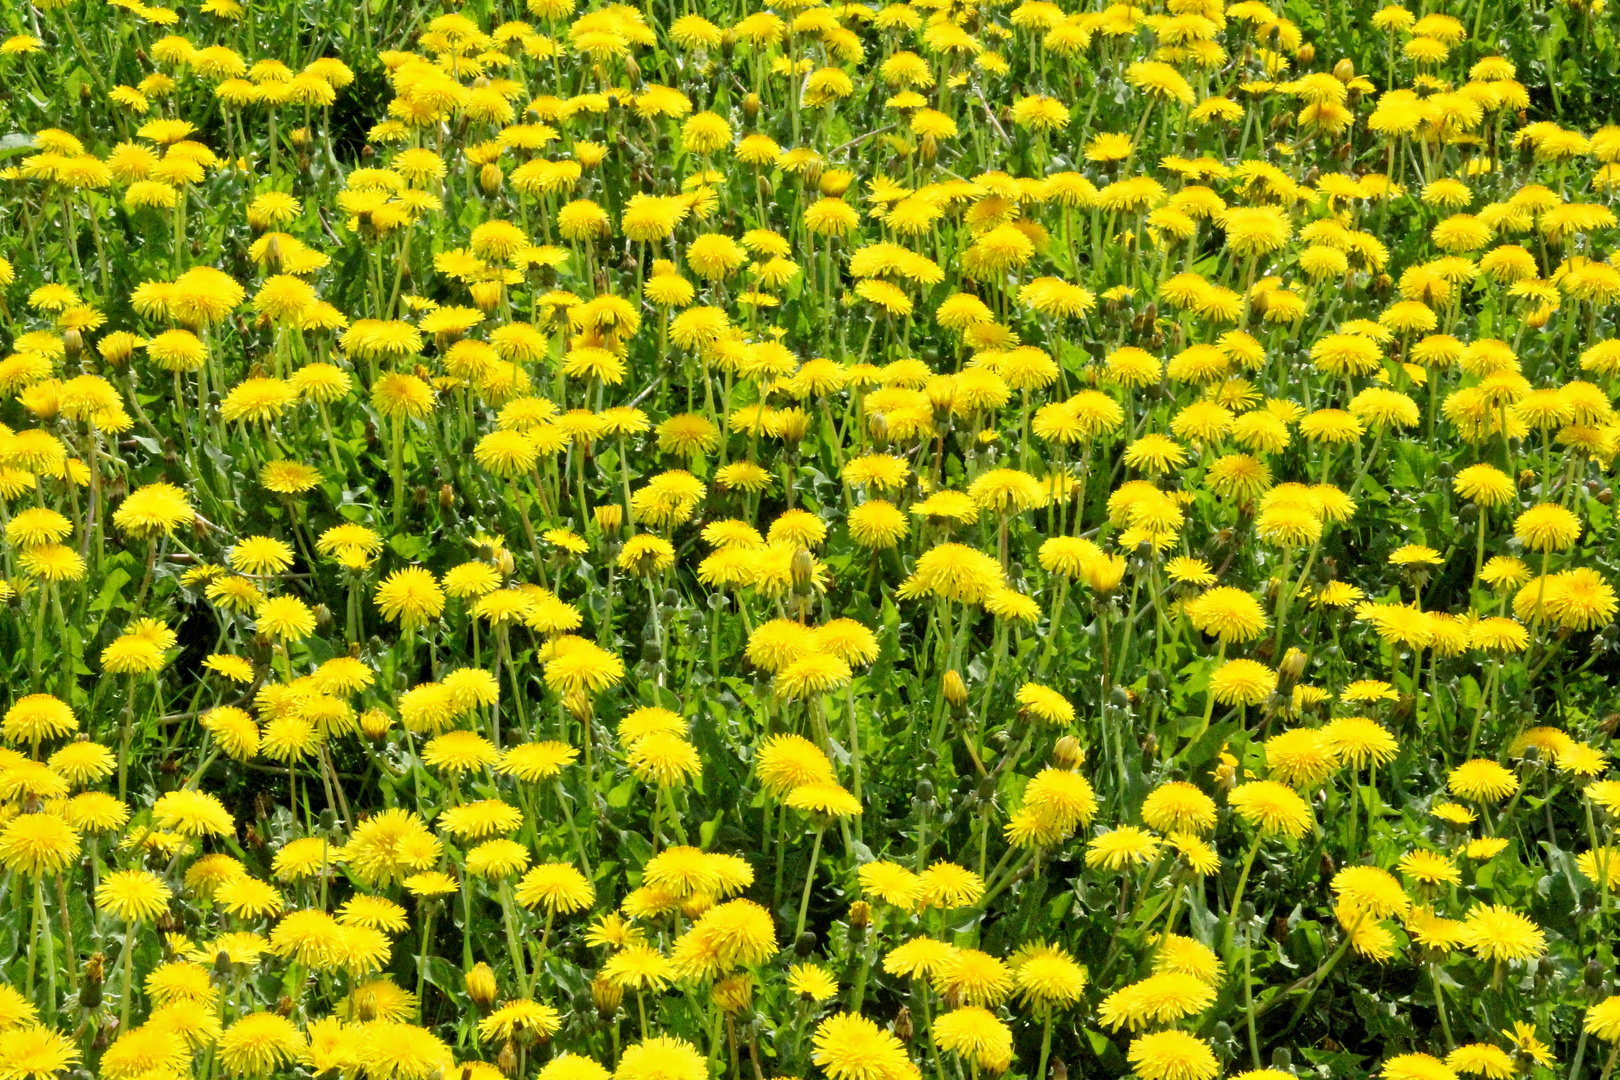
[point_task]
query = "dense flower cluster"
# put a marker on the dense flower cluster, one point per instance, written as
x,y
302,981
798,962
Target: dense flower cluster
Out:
x,y
999,536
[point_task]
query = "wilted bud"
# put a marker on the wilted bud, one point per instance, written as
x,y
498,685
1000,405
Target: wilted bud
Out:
x,y
750,106
860,914
1344,70
490,178
734,993
804,569
605,996
481,988
1068,752
284,1005
609,517
902,1024
578,703
955,690
374,723
507,1059
94,974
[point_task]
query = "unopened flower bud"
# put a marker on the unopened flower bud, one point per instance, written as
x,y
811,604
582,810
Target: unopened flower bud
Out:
x,y
605,996
860,914
504,562
734,993
578,703
1292,666
72,344
834,182
750,106
1344,70
486,295
481,988
374,723
955,690
1068,752
490,178
609,517
507,1059
804,568
1306,53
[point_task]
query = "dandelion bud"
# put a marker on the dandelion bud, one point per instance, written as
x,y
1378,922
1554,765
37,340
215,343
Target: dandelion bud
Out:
x,y
481,988
834,182
1292,666
955,690
804,568
272,255
1068,753
490,178
734,993
507,1059
84,92
578,702
605,996
447,497
728,43
374,723
72,343
750,106
860,915
929,149
1344,70
902,1024
323,615
878,428
609,517
792,424
486,295
284,1005
1306,53
812,171
1060,1071
632,70
1538,318
299,136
